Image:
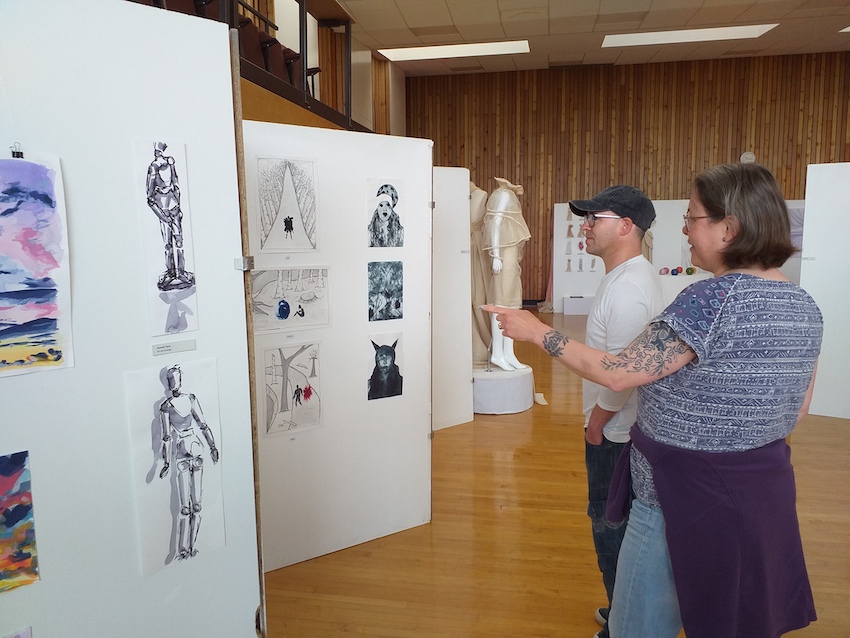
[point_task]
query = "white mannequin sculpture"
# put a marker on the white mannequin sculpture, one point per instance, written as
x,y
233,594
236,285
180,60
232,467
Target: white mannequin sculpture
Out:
x,y
505,234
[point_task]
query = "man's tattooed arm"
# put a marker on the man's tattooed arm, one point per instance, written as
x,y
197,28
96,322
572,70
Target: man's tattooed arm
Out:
x,y
554,342
652,352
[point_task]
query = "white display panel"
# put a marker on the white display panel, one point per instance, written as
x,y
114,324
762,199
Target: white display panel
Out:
x,y
452,323
825,263
109,72
364,469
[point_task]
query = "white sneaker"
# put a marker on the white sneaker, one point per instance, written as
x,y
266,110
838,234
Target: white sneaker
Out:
x,y
601,615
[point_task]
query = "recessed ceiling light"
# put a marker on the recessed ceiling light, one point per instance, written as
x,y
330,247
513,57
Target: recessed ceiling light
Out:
x,y
686,35
455,51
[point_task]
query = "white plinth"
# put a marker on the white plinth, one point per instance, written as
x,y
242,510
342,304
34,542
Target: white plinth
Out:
x,y
501,392
577,305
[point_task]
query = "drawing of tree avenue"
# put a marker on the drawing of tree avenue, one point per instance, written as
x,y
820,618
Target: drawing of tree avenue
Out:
x,y
386,290
287,216
293,396
289,298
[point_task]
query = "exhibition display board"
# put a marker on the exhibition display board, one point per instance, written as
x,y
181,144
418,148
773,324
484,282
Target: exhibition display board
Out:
x,y
148,432
340,234
824,264
451,378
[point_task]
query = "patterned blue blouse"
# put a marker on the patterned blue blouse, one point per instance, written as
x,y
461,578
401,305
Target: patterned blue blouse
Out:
x,y
756,342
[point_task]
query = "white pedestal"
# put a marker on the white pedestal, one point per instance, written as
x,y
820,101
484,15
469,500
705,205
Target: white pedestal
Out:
x,y
501,392
577,305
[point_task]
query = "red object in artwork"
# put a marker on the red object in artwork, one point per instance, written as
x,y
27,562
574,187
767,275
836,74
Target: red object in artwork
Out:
x,y
308,392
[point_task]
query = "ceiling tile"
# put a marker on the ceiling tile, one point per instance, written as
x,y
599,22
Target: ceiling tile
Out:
x,y
575,24
637,55
673,52
378,14
498,63
715,15
476,13
573,8
670,14
531,61
424,13
768,11
607,7
481,32
601,56
395,37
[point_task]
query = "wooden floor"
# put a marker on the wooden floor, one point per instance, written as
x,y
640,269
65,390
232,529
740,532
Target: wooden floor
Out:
x,y
509,553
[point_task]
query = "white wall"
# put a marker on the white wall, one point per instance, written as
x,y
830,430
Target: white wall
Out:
x,y
398,101
452,293
823,272
85,93
361,84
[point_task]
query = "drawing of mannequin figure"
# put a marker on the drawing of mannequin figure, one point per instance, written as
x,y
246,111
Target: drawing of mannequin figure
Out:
x,y
505,234
163,193
481,275
183,425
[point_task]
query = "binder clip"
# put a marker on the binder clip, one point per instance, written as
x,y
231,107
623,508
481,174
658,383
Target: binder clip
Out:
x,y
17,153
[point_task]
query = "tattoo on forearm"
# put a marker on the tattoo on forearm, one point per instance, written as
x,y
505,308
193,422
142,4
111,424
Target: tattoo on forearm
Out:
x,y
554,342
652,350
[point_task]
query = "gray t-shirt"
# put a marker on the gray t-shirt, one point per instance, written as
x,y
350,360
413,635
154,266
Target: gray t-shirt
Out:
x,y
756,342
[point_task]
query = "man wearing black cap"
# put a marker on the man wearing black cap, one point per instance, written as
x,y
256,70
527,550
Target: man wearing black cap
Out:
x,y
628,297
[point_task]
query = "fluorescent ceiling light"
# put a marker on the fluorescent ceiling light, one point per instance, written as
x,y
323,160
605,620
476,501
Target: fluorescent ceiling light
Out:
x,y
845,30
455,51
686,35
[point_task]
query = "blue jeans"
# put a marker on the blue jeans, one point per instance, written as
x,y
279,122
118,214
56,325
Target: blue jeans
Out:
x,y
600,461
645,601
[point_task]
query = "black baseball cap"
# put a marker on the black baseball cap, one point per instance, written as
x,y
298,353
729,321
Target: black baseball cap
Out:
x,y
626,201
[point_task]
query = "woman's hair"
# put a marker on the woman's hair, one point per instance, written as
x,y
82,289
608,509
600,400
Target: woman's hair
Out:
x,y
748,193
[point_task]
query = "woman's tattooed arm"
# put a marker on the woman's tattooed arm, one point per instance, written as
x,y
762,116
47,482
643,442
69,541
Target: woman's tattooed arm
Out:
x,y
652,352
554,342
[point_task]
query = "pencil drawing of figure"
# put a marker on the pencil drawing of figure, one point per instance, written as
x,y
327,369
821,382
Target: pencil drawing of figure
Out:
x,y
163,197
385,229
183,426
292,388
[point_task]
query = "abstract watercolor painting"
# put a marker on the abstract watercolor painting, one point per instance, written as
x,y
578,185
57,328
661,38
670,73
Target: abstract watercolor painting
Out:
x,y
177,455
167,236
293,389
18,556
289,298
23,633
386,290
35,282
287,214
385,208
386,378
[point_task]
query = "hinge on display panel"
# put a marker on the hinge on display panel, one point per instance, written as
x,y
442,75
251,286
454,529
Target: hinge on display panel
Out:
x,y
244,263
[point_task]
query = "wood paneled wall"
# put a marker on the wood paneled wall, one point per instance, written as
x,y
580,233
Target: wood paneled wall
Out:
x,y
380,96
331,63
569,132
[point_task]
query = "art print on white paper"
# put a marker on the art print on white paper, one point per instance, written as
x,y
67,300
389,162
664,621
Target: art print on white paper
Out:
x,y
177,452
386,290
289,298
293,391
287,216
170,280
35,279
23,633
385,205
386,358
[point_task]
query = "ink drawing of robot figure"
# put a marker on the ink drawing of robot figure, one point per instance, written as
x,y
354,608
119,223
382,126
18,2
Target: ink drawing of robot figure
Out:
x,y
183,428
163,197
